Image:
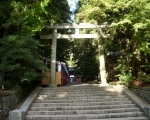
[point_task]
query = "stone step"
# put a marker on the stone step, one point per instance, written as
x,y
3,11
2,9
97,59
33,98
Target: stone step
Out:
x,y
61,97
71,112
127,118
81,104
84,116
79,100
79,89
74,92
78,95
51,108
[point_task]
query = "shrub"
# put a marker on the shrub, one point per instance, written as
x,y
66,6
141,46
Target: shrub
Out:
x,y
21,59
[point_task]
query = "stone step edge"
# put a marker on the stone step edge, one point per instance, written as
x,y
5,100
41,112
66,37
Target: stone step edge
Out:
x,y
78,90
126,118
83,104
82,95
108,115
77,97
82,111
113,95
144,106
85,107
79,100
80,87
96,94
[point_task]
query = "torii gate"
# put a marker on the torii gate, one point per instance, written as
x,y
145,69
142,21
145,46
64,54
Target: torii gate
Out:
x,y
54,36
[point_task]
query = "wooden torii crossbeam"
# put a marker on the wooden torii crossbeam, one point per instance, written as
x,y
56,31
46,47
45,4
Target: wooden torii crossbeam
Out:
x,y
54,36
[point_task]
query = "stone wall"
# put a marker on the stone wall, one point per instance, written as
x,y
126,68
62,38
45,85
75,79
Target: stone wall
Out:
x,y
143,92
8,101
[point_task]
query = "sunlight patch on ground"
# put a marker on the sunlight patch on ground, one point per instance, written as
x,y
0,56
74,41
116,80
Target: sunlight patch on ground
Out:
x,y
41,97
62,95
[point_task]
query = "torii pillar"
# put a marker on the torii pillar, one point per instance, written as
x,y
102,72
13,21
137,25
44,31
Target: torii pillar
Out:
x,y
53,59
102,69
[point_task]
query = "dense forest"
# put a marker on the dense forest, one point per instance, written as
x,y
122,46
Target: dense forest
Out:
x,y
21,50
127,53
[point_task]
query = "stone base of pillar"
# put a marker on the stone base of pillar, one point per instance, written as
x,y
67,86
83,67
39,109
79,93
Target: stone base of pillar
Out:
x,y
52,85
104,84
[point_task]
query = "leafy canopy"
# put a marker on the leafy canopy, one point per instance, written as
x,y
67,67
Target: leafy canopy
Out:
x,y
131,22
22,61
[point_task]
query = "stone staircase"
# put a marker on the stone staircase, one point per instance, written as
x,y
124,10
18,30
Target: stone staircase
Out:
x,y
79,102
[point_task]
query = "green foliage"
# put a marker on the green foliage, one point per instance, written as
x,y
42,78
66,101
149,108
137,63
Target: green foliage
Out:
x,y
144,47
57,11
64,50
17,88
131,22
85,57
125,79
20,53
28,17
125,69
93,82
23,16
143,76
22,61
93,11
